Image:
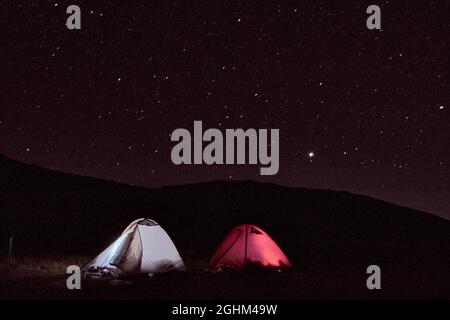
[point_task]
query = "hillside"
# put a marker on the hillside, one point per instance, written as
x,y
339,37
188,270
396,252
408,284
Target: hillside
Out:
x,y
55,213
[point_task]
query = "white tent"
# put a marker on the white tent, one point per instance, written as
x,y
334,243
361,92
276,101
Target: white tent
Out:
x,y
144,247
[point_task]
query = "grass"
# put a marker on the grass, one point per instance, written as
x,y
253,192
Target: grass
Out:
x,y
45,278
38,267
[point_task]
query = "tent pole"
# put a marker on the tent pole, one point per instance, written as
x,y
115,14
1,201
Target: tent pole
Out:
x,y
246,238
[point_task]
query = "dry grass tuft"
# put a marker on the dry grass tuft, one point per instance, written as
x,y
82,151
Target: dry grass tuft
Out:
x,y
38,267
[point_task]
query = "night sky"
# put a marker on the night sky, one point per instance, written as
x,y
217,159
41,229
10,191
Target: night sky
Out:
x,y
358,110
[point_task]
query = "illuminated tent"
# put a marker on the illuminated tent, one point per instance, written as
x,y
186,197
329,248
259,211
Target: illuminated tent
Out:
x,y
248,245
144,247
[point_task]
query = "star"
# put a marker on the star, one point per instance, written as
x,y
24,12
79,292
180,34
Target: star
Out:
x,y
232,77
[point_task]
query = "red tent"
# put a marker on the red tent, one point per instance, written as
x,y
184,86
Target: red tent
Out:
x,y
248,245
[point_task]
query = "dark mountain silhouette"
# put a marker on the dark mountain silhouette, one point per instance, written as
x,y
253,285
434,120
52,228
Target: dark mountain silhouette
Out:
x,y
53,213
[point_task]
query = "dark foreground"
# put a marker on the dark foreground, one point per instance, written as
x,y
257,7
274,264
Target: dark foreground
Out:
x,y
258,285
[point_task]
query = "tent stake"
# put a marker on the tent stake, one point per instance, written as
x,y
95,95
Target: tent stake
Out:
x,y
10,263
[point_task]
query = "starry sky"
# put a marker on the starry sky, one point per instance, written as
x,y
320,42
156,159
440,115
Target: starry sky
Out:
x,y
366,111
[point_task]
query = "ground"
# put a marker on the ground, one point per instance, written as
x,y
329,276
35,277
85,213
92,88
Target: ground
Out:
x,y
48,281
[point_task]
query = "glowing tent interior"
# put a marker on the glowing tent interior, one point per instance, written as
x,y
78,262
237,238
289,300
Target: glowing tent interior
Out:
x,y
143,247
248,245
